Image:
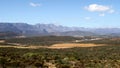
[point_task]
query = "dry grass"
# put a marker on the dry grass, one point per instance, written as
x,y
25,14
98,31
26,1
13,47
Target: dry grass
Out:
x,y
72,45
58,46
25,47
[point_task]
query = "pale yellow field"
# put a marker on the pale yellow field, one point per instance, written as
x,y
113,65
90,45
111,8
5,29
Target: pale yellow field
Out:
x,y
58,46
26,47
72,45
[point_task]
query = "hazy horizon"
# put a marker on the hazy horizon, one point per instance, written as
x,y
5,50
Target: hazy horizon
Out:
x,y
78,13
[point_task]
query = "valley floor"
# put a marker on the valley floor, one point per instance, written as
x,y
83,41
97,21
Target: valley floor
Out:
x,y
56,46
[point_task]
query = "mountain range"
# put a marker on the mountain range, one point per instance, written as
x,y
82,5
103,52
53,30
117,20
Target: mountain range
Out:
x,y
52,29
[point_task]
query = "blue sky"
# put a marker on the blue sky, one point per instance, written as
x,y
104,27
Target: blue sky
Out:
x,y
81,13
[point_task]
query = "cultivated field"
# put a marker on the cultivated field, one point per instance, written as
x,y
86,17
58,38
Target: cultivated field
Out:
x,y
72,45
56,46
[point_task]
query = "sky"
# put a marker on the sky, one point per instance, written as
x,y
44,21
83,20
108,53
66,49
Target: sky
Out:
x,y
79,13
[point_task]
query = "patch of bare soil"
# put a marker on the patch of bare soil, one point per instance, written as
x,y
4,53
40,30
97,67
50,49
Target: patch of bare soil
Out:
x,y
72,45
2,41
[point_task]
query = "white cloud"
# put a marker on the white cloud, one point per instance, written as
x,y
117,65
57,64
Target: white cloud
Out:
x,y
102,14
101,9
35,4
97,8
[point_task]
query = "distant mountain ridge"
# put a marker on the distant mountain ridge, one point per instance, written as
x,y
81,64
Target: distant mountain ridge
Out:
x,y
51,29
8,27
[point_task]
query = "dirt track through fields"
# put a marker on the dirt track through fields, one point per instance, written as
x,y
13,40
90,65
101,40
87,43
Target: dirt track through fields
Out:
x,y
56,46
